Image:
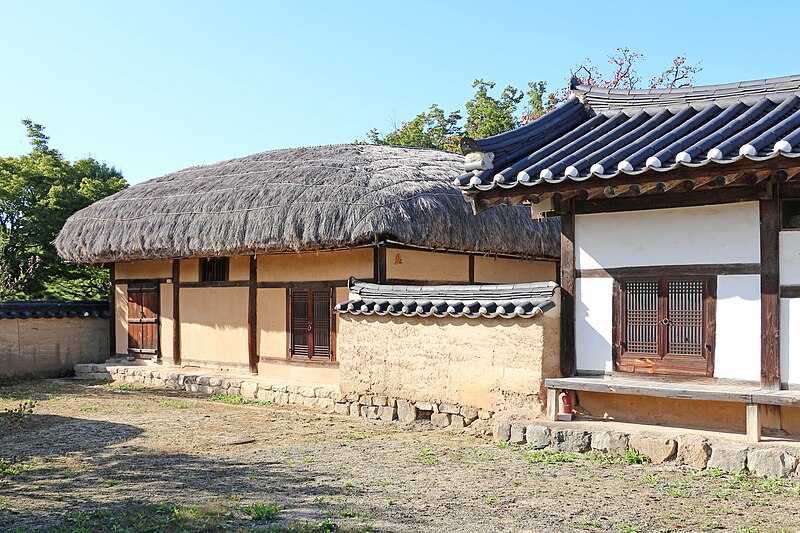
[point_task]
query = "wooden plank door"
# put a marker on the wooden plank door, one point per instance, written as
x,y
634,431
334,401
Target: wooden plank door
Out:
x,y
143,338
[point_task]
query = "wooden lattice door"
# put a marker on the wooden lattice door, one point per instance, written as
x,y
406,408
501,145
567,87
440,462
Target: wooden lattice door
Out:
x,y
311,324
143,320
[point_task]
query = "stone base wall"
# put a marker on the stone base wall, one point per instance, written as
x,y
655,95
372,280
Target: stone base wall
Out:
x,y
487,363
441,415
691,450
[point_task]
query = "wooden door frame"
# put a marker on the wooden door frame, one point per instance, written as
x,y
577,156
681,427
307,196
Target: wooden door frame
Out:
x,y
140,284
310,339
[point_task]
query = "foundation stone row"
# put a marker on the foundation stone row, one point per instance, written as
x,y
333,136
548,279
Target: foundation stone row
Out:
x,y
440,414
691,450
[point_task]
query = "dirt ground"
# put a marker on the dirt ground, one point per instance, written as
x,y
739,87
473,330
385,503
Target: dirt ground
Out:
x,y
94,446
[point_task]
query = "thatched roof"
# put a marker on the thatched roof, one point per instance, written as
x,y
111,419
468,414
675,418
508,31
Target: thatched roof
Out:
x,y
314,198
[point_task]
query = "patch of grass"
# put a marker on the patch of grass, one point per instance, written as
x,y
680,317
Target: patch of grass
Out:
x,y
262,511
348,485
87,408
427,457
308,460
493,497
484,455
112,482
252,475
507,445
583,523
224,398
385,481
550,457
179,404
165,517
708,526
626,528
352,513
635,457
13,467
16,417
355,436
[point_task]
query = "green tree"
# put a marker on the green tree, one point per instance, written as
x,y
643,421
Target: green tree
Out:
x,y
38,192
487,115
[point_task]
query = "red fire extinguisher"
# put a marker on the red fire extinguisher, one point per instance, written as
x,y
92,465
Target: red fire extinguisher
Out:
x,y
565,412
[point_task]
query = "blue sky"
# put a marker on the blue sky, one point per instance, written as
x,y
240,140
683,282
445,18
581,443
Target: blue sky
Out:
x,y
152,87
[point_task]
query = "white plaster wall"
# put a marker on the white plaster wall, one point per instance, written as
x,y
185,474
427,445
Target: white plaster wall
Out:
x,y
726,233
738,342
790,257
593,323
790,345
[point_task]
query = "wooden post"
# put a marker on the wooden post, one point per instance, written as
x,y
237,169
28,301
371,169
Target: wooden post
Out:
x,y
770,286
252,325
112,313
753,423
471,267
176,312
568,359
379,263
552,404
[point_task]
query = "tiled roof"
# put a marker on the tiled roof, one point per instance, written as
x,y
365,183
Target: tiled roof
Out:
x,y
53,309
607,132
525,300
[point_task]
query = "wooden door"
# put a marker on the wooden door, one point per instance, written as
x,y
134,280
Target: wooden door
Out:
x,y
311,323
143,319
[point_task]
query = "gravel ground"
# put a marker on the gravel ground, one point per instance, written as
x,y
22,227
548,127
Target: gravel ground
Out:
x,y
94,446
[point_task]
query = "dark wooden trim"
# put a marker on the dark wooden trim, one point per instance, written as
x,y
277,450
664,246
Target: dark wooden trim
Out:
x,y
252,323
288,303
393,245
112,312
471,269
133,281
215,284
725,195
723,269
334,323
790,291
710,323
379,264
616,323
298,362
568,357
302,284
769,210
176,312
425,282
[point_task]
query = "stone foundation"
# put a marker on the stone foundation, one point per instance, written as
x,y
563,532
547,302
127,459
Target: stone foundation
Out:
x,y
441,415
690,450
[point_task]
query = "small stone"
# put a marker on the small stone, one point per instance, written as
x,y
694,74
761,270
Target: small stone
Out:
x,y
307,392
770,462
440,420
365,400
326,404
424,406
571,440
355,409
99,368
658,449
537,436
204,380
469,413
693,450
215,382
485,414
279,388
517,434
293,389
728,457
501,431
266,395
233,391
206,389
387,413
249,390
341,409
609,441
449,408
380,401
372,411
457,421
101,376
406,412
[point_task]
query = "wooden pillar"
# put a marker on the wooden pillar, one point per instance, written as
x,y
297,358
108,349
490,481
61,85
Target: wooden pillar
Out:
x,y
379,263
552,404
112,312
568,358
770,298
252,322
176,311
471,269
753,423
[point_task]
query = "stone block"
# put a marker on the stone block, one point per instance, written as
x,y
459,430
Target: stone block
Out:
x,y
308,402
295,399
501,431
279,388
293,389
281,398
370,411
365,400
406,412
206,389
229,383
99,368
326,404
342,408
323,393
424,406
771,462
485,414
307,392
449,408
266,395
204,380
517,435
233,391
693,450
728,457
440,420
537,436
609,441
380,401
457,421
215,382
658,449
249,390
469,413
355,409
387,413
571,440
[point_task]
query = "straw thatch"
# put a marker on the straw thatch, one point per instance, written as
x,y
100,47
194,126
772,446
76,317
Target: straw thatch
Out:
x,y
299,199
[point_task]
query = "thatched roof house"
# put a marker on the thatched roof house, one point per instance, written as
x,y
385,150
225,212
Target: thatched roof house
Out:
x,y
299,199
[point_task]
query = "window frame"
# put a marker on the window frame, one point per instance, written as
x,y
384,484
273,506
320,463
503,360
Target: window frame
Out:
x,y
204,267
663,362
311,358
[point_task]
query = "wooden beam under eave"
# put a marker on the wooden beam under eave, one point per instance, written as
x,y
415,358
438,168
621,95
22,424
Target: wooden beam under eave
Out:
x,y
252,315
769,215
568,357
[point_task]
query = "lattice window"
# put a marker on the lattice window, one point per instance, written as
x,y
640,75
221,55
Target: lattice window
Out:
x,y
311,324
641,303
685,317
214,269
